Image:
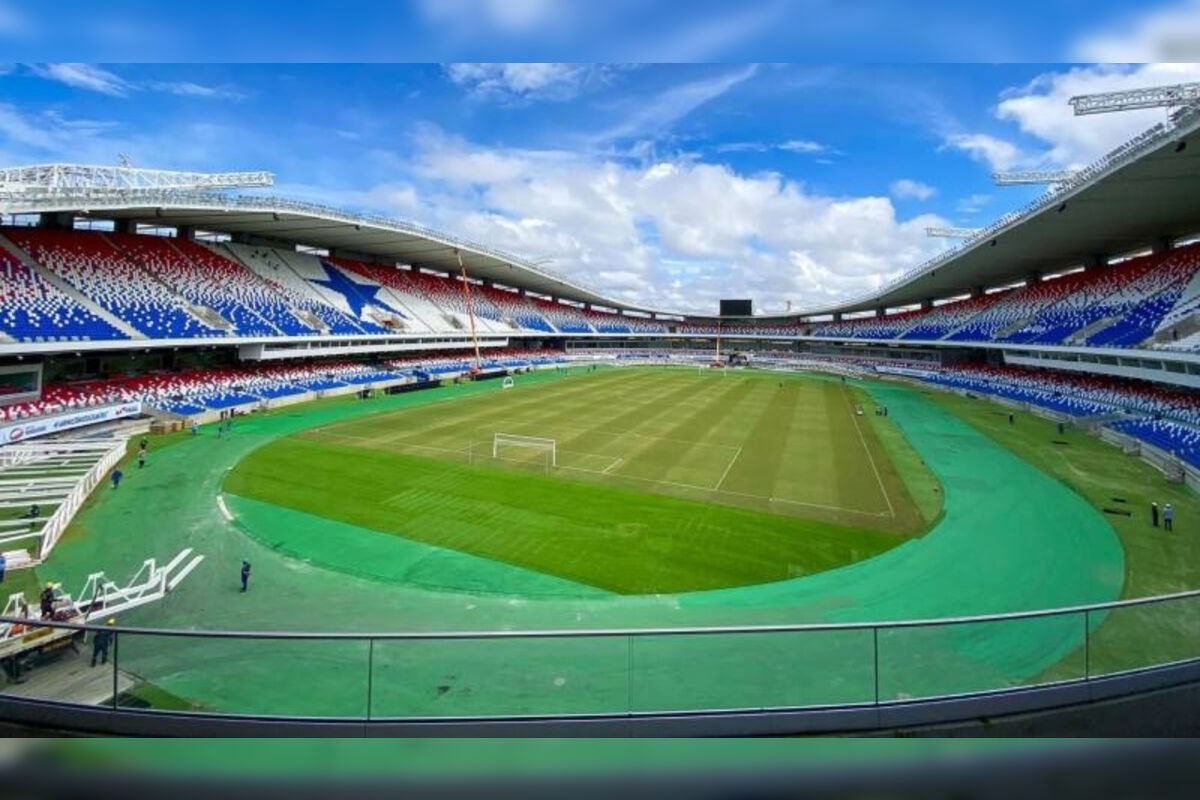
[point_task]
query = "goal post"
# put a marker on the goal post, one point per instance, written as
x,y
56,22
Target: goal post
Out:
x,y
504,440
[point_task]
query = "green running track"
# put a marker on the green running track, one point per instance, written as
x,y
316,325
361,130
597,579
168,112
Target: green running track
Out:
x,y
1011,539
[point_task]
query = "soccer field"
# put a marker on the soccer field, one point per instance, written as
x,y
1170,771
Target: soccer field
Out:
x,y
662,479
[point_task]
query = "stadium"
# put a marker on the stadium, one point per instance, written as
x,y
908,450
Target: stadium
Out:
x,y
289,467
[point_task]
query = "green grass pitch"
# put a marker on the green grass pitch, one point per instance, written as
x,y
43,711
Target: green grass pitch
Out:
x,y
666,480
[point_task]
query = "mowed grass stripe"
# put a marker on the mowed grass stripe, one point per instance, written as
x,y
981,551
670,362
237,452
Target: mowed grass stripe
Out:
x,y
803,472
658,430
653,453
757,470
457,425
592,424
640,455
619,540
700,465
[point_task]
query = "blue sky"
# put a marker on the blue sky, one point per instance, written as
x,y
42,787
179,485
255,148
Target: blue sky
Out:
x,y
813,31
665,184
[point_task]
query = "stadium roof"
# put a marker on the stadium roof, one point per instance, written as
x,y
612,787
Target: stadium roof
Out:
x,y
1143,192
302,223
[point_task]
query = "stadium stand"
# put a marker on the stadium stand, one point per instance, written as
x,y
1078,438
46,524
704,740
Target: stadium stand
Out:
x,y
103,274
197,390
34,310
1182,441
513,308
84,285
1118,306
316,309
203,279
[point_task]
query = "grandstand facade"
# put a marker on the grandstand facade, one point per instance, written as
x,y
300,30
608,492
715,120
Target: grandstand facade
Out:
x,y
194,301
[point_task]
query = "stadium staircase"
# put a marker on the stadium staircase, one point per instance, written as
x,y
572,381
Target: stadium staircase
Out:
x,y
1080,337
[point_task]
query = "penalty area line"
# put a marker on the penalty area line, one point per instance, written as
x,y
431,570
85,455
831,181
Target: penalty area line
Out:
x,y
706,489
725,474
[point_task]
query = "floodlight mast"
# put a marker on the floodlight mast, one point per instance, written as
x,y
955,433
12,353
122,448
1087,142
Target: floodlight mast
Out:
x,y
951,233
1032,177
1178,94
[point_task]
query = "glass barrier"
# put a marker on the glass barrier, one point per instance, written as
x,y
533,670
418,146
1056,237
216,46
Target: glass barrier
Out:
x,y
723,671
254,676
504,674
1140,636
493,677
938,660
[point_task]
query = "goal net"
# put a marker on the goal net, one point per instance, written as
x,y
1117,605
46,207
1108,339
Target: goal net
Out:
x,y
529,445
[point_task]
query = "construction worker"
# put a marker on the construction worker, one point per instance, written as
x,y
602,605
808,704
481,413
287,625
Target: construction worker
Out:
x,y
46,601
101,641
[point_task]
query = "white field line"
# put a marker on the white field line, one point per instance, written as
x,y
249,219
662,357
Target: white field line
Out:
x,y
725,474
870,458
699,488
383,440
224,508
607,471
612,466
375,441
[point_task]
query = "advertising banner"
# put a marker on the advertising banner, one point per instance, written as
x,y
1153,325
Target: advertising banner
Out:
x,y
40,426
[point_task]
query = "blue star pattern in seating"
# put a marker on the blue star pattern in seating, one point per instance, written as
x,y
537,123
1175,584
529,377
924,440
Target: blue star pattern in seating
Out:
x,y
357,295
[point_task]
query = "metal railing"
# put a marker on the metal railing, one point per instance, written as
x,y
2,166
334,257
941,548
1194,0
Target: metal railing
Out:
x,y
626,672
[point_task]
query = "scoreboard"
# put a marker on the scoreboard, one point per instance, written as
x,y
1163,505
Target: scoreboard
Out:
x,y
737,308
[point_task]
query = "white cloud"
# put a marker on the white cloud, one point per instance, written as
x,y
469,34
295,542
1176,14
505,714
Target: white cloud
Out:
x,y
500,16
973,204
554,81
705,39
804,146
1041,109
48,132
652,116
35,136
908,189
84,76
1168,33
94,79
1048,134
674,233
189,89
997,153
